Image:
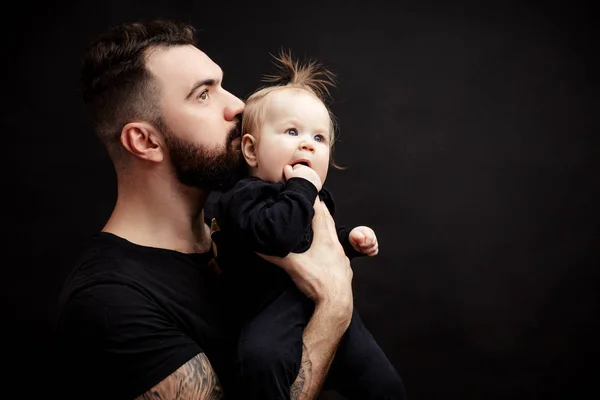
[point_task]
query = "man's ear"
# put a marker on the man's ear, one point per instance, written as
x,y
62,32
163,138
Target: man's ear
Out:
x,y
249,149
142,140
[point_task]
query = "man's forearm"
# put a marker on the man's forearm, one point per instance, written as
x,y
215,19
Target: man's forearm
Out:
x,y
319,344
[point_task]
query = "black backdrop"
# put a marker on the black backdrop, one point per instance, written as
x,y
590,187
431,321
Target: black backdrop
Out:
x,y
470,134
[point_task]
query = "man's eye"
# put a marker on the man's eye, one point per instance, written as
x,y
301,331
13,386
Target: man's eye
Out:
x,y
203,95
292,132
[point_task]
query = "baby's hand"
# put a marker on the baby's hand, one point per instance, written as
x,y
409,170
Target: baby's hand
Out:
x,y
302,171
363,239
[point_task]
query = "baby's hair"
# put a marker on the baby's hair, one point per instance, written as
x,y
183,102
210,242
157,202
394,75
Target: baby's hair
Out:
x,y
311,76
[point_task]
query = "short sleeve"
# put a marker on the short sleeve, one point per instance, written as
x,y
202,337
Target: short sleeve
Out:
x,y
134,344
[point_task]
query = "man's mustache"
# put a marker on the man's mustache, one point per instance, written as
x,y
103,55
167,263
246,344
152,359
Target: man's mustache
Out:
x,y
235,132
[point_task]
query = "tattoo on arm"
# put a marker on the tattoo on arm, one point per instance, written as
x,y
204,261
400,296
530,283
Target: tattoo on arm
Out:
x,y
297,390
195,379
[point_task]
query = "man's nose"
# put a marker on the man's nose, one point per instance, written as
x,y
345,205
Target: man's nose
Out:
x,y
234,107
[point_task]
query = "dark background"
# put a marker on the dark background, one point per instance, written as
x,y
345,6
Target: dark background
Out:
x,y
470,133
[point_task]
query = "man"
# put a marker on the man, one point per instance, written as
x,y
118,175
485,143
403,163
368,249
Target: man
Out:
x,y
139,314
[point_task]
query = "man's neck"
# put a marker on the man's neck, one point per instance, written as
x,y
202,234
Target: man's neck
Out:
x,y
165,219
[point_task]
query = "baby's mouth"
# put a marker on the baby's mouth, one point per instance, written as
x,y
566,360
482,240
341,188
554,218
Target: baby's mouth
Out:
x,y
301,163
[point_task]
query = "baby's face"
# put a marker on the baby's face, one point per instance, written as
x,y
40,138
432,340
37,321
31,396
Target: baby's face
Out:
x,y
295,129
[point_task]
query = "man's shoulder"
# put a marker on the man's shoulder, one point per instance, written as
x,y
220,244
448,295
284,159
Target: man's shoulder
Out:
x,y
103,254
103,264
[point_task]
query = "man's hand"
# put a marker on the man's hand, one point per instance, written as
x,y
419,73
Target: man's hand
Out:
x,y
364,240
302,171
323,274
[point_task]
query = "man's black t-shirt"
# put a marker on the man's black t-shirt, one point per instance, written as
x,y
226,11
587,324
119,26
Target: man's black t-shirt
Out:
x,y
131,315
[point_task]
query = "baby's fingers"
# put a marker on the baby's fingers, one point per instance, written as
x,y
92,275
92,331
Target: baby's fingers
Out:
x,y
370,239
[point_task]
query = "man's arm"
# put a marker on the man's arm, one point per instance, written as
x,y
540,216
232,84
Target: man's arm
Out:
x,y
322,273
194,380
118,320
319,345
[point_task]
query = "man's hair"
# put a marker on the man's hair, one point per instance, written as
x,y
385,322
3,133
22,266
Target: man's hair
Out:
x,y
310,75
115,84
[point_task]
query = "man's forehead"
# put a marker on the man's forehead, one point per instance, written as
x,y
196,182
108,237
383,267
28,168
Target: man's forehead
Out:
x,y
182,64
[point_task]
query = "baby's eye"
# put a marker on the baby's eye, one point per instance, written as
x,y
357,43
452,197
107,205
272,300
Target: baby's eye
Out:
x,y
292,132
203,95
319,138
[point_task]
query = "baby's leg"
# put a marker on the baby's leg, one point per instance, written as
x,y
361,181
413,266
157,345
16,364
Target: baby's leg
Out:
x,y
361,370
270,346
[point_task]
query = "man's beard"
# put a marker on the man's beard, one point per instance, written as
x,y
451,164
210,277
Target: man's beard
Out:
x,y
208,169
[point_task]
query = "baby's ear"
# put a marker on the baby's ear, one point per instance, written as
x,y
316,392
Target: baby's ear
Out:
x,y
249,149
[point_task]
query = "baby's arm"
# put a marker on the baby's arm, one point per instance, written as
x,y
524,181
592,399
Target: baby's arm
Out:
x,y
269,218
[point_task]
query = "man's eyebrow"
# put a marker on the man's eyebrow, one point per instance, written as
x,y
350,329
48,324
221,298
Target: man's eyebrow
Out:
x,y
205,82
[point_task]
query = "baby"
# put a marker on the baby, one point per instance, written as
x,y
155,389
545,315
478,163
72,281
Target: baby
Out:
x,y
287,140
